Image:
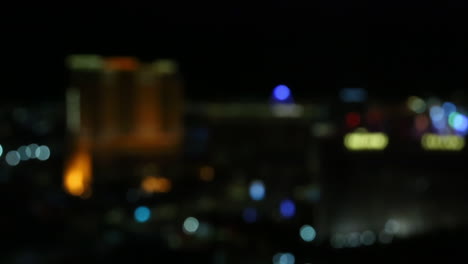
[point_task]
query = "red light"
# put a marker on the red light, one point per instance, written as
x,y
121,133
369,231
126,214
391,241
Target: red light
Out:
x,y
353,119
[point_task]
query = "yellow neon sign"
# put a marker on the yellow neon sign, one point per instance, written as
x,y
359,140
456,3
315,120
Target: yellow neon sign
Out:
x,y
359,141
442,142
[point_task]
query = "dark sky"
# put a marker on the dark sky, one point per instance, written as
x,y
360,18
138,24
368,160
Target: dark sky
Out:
x,y
231,51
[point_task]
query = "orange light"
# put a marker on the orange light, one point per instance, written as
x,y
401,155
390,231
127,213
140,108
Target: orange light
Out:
x,y
77,178
153,184
206,173
122,63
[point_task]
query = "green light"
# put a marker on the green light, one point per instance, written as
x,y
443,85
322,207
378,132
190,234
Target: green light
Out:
x,y
451,119
85,62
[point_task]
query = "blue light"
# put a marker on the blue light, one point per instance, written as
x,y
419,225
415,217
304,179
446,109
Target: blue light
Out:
x,y
307,233
250,215
436,113
353,95
287,208
440,124
460,123
257,190
281,92
142,214
449,108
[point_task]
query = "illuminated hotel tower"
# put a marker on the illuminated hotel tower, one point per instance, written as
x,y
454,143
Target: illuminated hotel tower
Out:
x,y
118,106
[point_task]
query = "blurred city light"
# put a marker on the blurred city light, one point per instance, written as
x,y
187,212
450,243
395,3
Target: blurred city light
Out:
x,y
85,62
33,147
284,258
385,238
43,153
12,158
353,119
367,238
416,104
442,142
353,240
449,108
458,122
287,209
307,233
257,190
338,241
437,113
151,184
1,150
250,215
392,226
353,95
142,214
207,173
24,152
287,110
421,123
357,141
78,173
281,92
191,225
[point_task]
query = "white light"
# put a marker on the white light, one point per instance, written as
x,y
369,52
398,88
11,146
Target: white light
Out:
x,y
13,158
307,233
43,153
392,226
191,225
1,150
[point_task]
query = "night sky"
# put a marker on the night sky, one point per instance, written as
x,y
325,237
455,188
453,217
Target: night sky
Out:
x,y
228,51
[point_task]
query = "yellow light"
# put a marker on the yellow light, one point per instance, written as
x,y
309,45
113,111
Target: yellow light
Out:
x,y
359,141
77,178
153,184
442,142
206,173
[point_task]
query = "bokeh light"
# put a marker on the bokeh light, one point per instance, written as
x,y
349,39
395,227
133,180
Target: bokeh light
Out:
x,y
353,95
257,190
33,147
458,122
284,258
416,104
338,241
151,184
442,142
353,119
367,238
207,173
250,215
281,92
385,238
1,150
287,208
24,152
421,123
42,153
307,233
142,214
353,240
359,141
392,226
12,158
449,108
437,113
191,225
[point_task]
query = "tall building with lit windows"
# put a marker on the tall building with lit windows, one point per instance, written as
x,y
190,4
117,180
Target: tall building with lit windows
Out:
x,y
119,107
